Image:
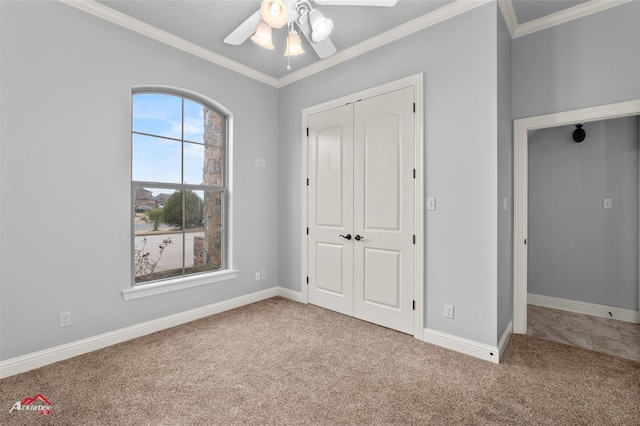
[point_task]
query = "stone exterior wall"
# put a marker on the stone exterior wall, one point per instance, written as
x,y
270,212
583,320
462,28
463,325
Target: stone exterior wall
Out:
x,y
209,250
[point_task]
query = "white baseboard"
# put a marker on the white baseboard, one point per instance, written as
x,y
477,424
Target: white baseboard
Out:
x,y
296,296
504,340
465,346
603,311
44,357
468,347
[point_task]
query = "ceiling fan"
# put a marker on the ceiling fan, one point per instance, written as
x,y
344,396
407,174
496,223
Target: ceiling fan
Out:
x,y
294,13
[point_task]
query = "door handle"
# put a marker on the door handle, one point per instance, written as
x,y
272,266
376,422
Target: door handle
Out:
x,y
346,237
359,237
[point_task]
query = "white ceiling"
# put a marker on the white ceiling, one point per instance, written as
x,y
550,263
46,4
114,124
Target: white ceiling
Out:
x,y
201,26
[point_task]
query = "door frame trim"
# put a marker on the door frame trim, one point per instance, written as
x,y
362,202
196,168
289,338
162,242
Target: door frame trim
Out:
x,y
417,82
521,127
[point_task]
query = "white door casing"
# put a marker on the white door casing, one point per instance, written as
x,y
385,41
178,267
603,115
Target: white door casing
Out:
x,y
521,127
366,183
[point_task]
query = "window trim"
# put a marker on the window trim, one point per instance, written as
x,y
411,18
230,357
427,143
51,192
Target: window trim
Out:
x,y
175,284
136,291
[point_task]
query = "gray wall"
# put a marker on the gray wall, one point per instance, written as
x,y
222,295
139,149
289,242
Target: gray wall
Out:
x,y
577,249
505,178
591,61
66,80
459,61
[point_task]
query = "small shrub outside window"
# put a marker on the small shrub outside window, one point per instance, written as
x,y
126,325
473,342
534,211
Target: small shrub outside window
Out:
x,y
178,186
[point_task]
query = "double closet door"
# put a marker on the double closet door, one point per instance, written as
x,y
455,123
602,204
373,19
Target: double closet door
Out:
x,y
361,243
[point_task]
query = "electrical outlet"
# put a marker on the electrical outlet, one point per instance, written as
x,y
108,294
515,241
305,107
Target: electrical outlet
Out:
x,y
263,275
65,319
448,311
257,275
263,163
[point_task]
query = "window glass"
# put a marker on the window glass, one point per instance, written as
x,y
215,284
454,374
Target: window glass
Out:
x,y
156,159
178,184
193,121
157,114
193,163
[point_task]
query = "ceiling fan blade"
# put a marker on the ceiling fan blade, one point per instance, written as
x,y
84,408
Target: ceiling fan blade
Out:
x,y
324,48
383,3
244,30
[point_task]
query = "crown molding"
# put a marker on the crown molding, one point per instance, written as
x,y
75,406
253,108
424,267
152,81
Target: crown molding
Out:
x,y
509,15
437,16
442,14
101,11
563,16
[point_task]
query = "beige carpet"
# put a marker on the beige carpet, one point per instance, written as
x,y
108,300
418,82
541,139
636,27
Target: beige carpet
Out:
x,y
280,362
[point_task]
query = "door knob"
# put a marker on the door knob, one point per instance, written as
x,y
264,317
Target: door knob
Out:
x,y
359,237
346,237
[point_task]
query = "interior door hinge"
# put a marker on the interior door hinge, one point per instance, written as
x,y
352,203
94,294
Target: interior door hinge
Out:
x,y
414,305
307,181
414,173
525,241
307,230
414,107
414,238
307,280
307,132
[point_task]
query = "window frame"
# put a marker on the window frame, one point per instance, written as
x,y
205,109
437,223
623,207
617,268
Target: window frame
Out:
x,y
227,272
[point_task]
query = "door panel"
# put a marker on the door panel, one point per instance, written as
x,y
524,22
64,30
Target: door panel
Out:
x,y
384,159
382,164
329,277
382,266
329,179
330,209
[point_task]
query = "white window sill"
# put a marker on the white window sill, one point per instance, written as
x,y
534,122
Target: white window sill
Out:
x,y
146,290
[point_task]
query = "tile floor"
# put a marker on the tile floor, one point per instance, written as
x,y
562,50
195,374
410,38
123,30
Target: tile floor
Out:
x,y
605,335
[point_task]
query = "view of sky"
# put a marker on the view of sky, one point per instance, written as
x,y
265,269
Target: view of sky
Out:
x,y
158,158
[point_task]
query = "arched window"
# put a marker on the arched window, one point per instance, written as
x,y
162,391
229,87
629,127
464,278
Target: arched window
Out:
x,y
179,186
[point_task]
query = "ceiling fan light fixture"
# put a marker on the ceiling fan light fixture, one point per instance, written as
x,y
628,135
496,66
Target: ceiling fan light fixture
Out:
x,y
274,13
321,26
294,47
262,37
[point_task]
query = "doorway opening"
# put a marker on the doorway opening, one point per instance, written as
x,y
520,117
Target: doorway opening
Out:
x,y
522,127
583,235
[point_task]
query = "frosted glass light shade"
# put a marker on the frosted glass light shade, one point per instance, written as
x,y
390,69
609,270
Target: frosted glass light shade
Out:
x,y
274,13
294,47
321,26
262,37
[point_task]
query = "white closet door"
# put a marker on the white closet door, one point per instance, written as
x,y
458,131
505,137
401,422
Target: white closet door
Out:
x,y
361,160
330,209
384,185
